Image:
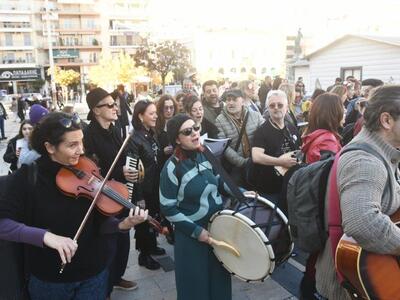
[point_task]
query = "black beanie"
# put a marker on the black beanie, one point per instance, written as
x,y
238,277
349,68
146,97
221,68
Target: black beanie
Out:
x,y
93,98
174,125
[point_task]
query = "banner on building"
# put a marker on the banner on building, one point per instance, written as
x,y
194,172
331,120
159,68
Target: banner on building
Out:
x,y
20,74
67,53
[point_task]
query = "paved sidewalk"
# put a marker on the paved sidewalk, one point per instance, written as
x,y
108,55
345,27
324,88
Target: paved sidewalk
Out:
x,y
158,285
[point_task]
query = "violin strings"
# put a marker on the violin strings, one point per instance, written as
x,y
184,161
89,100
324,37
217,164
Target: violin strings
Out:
x,y
110,192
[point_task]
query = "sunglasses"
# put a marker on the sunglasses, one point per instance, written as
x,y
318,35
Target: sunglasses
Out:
x,y
109,105
279,105
189,131
68,122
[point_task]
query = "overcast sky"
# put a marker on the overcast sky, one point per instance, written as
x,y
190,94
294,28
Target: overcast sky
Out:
x,y
286,16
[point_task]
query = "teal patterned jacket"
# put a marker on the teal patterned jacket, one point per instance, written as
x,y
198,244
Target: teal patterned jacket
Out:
x,y
190,192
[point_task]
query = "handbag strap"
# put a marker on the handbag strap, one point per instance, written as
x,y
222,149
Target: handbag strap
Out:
x,y
242,129
224,175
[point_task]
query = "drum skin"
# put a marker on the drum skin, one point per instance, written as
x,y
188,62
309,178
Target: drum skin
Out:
x,y
247,229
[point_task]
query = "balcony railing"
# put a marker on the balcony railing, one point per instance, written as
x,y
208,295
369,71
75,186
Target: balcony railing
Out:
x,y
79,44
15,7
2,44
17,61
15,25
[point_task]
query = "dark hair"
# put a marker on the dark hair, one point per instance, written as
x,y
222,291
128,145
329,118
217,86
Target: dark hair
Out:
x,y
316,93
188,102
326,113
179,96
276,83
50,129
24,122
383,99
140,108
207,83
160,123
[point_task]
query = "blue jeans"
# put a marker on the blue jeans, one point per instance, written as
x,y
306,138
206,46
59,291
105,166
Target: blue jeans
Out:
x,y
93,288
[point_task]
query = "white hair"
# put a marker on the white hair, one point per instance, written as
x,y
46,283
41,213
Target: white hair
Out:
x,y
278,93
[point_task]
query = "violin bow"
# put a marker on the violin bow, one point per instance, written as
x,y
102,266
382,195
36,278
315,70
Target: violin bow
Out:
x,y
103,183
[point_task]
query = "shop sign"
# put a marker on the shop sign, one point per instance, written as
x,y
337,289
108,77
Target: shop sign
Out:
x,y
67,53
19,74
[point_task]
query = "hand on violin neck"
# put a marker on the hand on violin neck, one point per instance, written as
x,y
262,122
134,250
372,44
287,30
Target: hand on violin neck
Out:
x,y
139,216
66,247
130,174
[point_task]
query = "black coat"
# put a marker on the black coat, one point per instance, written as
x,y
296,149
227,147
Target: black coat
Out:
x,y
10,156
163,140
209,128
102,145
3,112
144,145
125,109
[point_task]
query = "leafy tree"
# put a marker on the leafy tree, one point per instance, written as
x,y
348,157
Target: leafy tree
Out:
x,y
163,57
66,79
115,70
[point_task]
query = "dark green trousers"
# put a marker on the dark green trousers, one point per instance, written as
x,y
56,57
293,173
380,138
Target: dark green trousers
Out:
x,y
199,275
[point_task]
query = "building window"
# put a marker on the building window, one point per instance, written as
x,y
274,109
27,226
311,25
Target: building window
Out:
x,y
351,71
27,39
9,39
91,24
221,71
29,57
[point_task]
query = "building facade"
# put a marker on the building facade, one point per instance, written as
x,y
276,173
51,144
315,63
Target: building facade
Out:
x,y
19,63
80,31
357,55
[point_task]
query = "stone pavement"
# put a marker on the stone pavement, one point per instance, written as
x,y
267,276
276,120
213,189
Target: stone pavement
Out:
x,y
158,285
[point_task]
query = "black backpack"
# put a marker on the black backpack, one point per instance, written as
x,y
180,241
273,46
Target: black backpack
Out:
x,y
305,199
306,192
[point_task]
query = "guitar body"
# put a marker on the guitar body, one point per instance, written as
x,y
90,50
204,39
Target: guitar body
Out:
x,y
372,276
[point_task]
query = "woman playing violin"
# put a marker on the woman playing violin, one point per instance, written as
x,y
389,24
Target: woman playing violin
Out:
x,y
45,219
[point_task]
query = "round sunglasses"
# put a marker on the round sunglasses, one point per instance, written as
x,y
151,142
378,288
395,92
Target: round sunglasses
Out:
x,y
73,120
190,130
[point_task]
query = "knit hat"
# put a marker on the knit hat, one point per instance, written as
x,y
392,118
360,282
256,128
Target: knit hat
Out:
x,y
36,113
93,98
174,125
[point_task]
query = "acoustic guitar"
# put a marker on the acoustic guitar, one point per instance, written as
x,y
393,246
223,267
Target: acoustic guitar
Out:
x,y
369,276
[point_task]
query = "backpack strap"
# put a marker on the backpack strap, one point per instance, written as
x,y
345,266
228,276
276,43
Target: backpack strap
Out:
x,y
335,230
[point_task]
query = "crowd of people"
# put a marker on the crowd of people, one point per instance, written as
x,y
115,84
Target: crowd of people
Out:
x,y
270,128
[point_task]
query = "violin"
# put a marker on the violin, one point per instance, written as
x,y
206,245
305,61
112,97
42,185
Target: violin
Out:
x,y
84,180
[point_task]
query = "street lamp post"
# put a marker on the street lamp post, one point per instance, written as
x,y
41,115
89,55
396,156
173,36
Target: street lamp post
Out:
x,y
51,60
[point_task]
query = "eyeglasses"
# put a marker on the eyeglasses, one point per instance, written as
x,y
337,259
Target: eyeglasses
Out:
x,y
189,131
68,122
109,105
274,105
167,108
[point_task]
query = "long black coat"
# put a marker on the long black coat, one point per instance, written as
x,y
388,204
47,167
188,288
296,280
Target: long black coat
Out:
x,y
145,145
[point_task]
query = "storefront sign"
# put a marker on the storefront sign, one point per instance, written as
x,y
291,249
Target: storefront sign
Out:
x,y
68,53
19,74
